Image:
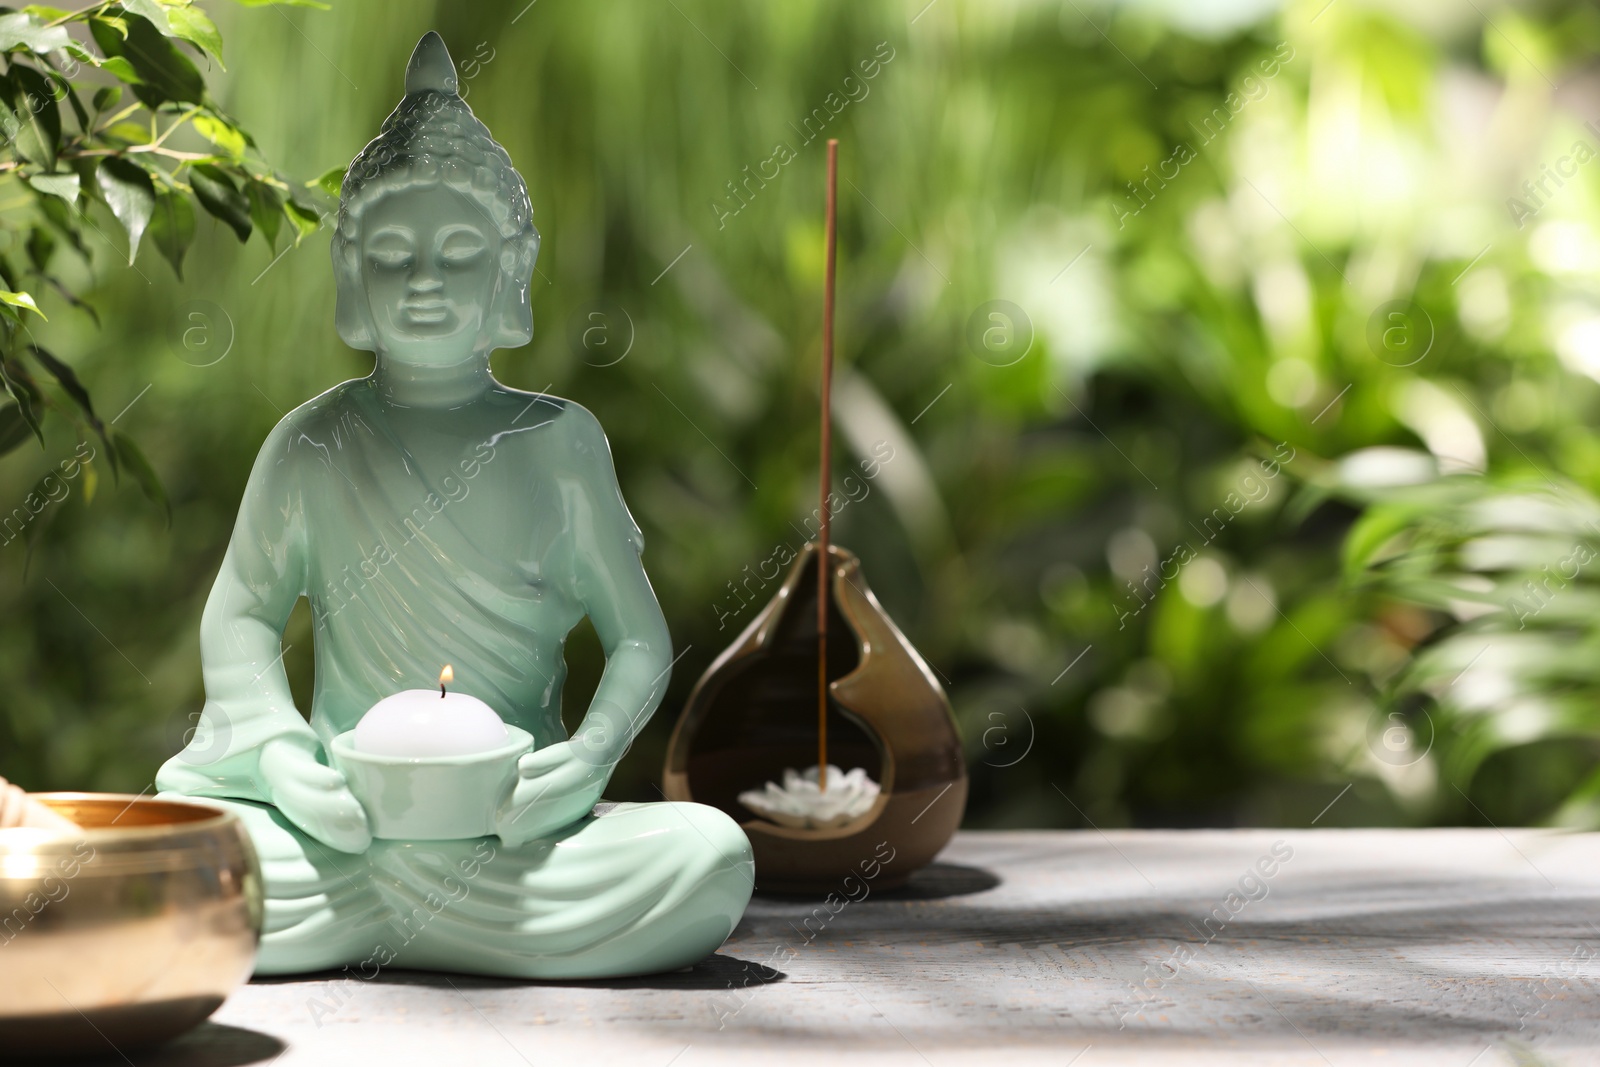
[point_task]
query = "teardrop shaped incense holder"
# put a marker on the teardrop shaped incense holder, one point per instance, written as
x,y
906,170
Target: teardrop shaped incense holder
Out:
x,y
754,713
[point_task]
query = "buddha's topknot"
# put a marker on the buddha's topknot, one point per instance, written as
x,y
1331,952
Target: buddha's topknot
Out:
x,y
432,138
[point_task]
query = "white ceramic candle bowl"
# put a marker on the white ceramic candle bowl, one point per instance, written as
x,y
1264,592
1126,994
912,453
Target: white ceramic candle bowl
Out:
x,y
431,798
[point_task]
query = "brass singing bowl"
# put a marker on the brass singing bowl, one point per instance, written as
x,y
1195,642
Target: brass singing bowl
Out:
x,y
128,933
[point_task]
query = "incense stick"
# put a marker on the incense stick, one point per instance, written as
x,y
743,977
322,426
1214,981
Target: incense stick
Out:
x,y
824,564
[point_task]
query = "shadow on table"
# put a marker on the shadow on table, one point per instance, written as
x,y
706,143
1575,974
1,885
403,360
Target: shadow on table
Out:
x,y
207,1045
936,881
716,972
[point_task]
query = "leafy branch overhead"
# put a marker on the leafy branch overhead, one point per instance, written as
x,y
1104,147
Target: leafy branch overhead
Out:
x,y
105,110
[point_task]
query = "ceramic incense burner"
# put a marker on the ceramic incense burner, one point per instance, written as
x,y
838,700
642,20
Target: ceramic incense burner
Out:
x,y
752,715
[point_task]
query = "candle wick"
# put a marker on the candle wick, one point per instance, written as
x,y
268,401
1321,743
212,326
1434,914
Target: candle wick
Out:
x,y
441,690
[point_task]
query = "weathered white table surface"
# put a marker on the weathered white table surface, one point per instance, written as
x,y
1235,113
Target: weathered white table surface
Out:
x,y
1458,947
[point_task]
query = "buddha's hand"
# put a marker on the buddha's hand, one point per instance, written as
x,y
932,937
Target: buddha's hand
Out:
x,y
555,787
314,797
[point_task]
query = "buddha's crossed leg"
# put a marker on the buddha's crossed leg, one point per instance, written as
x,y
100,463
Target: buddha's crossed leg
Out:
x,y
632,889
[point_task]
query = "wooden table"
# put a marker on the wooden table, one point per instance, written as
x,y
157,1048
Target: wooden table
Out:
x,y
1463,948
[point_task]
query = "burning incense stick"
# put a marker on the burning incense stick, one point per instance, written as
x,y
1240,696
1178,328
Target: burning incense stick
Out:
x,y
824,482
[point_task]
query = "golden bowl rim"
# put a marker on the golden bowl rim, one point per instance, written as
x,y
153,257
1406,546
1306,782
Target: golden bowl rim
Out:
x,y
17,836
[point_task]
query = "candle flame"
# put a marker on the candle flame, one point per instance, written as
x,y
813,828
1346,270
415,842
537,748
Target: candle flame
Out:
x,y
447,675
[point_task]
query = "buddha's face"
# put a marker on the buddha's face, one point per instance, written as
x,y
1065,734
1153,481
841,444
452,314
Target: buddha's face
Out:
x,y
430,264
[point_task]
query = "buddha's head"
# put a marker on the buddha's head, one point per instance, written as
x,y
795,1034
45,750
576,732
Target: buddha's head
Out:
x,y
435,245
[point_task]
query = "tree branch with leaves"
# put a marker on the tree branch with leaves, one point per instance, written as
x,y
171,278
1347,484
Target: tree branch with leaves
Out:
x,y
93,101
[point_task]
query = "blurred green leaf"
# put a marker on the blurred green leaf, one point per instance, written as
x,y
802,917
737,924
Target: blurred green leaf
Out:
x,y
221,198
305,218
41,246
224,135
65,87
152,11
25,392
31,99
266,209
108,19
61,217
136,463
68,378
24,30
172,228
330,182
122,70
34,531
131,132
20,300
106,97
182,21
63,185
91,481
163,73
14,429
193,25
131,196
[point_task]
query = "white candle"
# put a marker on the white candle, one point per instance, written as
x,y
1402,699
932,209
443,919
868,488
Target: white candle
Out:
x,y
429,722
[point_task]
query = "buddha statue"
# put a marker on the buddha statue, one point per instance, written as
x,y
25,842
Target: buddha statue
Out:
x,y
431,515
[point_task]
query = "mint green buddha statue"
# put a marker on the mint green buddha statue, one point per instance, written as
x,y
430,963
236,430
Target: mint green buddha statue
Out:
x,y
431,515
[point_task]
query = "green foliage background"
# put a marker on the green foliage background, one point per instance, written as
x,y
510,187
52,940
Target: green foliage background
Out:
x,y
1186,380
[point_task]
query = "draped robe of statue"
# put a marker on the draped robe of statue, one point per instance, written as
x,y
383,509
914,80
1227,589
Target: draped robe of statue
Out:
x,y
478,537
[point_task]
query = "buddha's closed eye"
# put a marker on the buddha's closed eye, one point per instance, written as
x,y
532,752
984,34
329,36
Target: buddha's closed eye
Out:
x,y
461,248
391,250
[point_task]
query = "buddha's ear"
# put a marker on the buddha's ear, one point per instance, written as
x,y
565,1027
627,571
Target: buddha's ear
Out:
x,y
351,315
510,322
